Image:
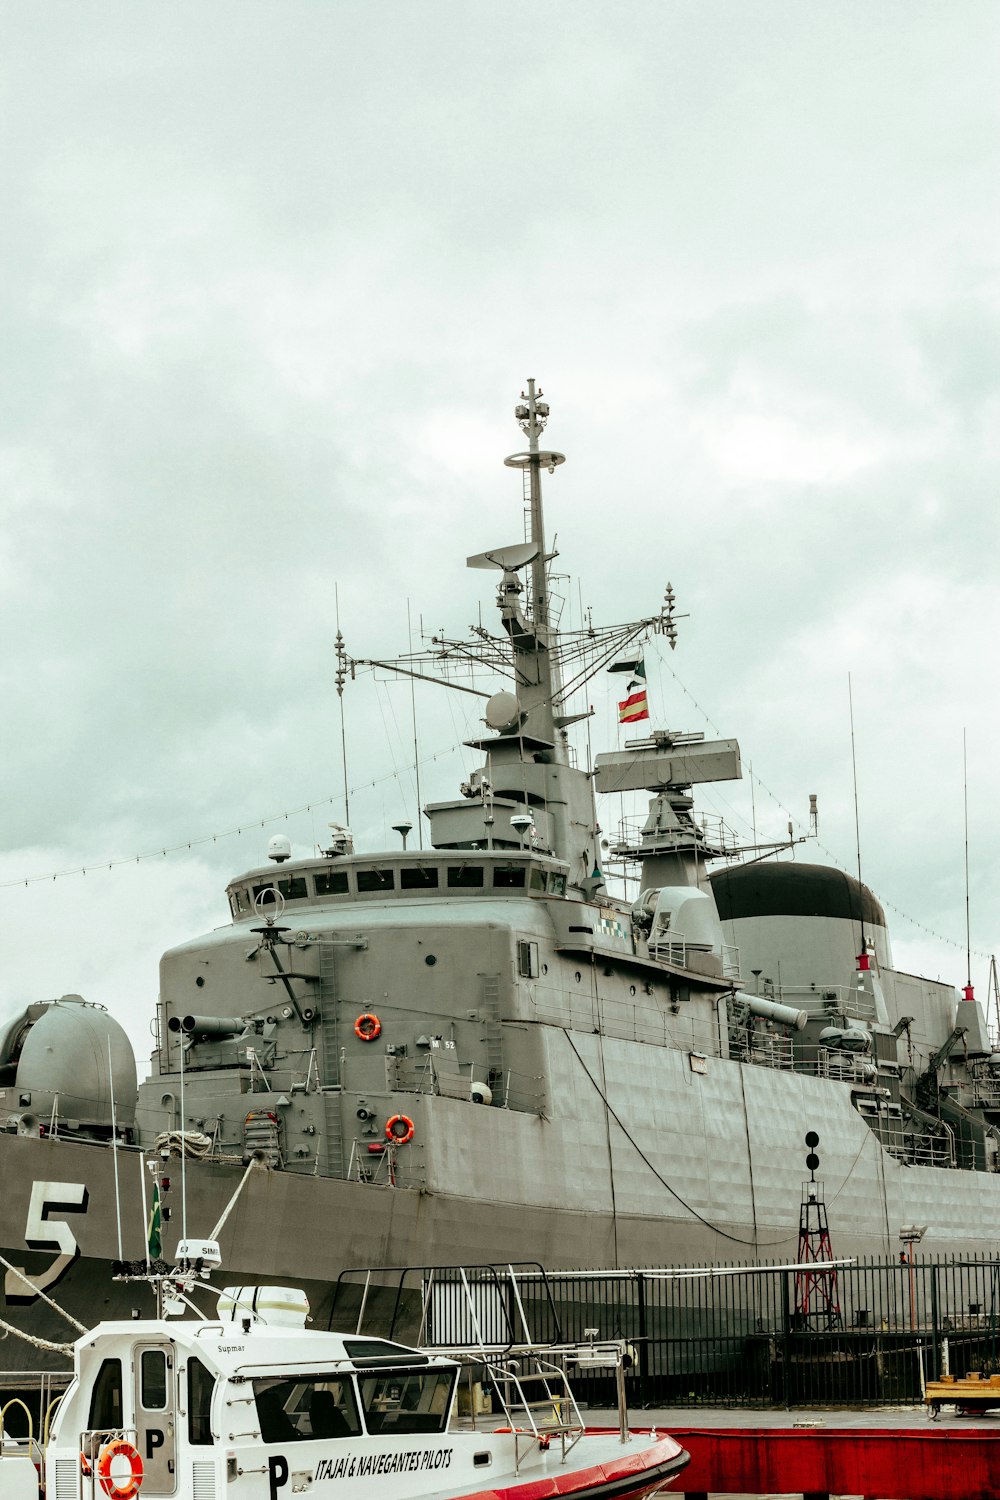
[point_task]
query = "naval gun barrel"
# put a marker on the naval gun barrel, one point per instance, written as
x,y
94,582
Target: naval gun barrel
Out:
x,y
208,1025
770,1010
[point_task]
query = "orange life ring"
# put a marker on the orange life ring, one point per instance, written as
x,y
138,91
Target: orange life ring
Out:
x,y
399,1129
112,1487
367,1026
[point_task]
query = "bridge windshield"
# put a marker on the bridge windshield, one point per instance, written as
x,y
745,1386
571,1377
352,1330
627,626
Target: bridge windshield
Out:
x,y
406,1400
300,1408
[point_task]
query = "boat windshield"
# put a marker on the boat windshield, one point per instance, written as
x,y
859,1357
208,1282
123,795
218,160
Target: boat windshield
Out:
x,y
406,1400
299,1408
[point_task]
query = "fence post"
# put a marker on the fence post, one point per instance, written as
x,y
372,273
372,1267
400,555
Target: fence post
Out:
x,y
644,1392
935,1330
786,1340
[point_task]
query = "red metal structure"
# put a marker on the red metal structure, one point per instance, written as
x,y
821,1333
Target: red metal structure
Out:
x,y
913,1464
817,1297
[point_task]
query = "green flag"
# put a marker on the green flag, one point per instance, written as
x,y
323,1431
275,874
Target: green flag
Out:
x,y
153,1236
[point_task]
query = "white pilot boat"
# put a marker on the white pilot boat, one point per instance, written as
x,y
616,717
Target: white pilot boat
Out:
x,y
252,1405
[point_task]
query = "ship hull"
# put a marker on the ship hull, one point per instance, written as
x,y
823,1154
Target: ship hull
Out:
x,y
688,1168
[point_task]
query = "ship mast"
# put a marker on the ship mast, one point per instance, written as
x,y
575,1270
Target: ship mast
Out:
x,y
531,636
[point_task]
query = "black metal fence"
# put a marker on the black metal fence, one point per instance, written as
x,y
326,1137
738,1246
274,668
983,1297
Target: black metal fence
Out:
x,y
865,1333
868,1333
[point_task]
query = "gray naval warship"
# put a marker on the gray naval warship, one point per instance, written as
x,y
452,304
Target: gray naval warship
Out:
x,y
476,1052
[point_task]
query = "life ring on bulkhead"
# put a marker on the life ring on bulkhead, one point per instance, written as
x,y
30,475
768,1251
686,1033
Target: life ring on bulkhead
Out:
x,y
367,1026
399,1129
114,1487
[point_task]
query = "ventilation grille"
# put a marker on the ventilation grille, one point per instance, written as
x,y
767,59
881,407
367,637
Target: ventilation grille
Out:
x,y
67,1473
203,1481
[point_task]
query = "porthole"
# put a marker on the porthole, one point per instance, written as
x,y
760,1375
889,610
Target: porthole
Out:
x,y
200,980
430,960
577,976
545,968
631,989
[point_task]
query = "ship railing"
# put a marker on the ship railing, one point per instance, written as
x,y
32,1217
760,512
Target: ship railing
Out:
x,y
535,1399
510,1089
626,1020
707,829
828,1000
831,1062
982,1091
670,948
771,1050
896,1132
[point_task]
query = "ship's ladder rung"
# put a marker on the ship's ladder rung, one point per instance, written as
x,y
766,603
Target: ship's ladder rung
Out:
x,y
334,1134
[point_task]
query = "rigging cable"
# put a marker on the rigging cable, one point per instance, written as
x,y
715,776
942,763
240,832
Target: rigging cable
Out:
x,y
736,1238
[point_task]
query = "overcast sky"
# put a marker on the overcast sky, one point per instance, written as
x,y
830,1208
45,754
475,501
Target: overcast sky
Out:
x,y
273,277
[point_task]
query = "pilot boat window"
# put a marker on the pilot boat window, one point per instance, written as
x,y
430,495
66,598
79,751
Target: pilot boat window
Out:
x,y
331,883
537,880
200,1384
418,877
303,1407
153,1376
465,875
292,887
376,880
557,884
406,1400
511,878
106,1398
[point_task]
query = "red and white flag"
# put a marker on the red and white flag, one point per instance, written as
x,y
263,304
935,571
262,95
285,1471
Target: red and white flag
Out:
x,y
633,708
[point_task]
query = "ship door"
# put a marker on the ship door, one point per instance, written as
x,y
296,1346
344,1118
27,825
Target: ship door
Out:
x,y
155,1417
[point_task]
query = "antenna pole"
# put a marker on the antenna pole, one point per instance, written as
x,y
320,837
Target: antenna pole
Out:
x,y
413,715
145,1218
184,1196
968,930
114,1150
857,821
539,581
340,678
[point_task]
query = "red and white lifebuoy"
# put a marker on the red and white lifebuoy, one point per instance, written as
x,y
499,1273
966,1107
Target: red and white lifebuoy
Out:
x,y
367,1026
399,1129
119,1488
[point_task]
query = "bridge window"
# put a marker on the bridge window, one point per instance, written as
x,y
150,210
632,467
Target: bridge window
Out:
x,y
201,1384
465,875
508,878
291,887
418,877
106,1398
306,1407
331,883
397,1401
376,880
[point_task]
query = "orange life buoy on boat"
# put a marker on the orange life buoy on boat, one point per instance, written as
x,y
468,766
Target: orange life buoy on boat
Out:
x,y
367,1026
115,1488
399,1129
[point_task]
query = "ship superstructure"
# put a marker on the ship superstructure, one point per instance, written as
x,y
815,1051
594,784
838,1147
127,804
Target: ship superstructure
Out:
x,y
479,1051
